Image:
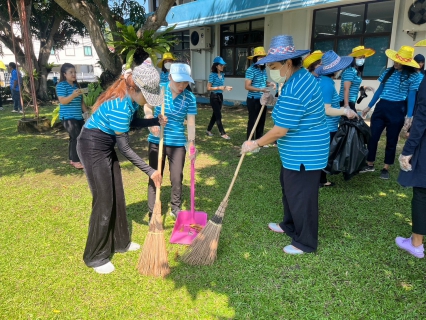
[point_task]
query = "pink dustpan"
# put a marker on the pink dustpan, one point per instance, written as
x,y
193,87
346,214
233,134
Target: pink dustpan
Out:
x,y
183,233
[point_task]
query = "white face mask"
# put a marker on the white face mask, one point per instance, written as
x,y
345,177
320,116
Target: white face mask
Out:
x,y
337,74
359,62
276,75
167,65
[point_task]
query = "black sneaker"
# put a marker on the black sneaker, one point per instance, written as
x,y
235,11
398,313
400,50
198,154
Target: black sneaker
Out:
x,y
384,174
367,169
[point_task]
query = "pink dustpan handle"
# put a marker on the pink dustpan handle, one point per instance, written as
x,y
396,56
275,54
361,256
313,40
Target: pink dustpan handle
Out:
x,y
192,151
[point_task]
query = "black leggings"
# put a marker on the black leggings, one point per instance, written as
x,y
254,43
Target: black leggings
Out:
x,y
216,100
253,107
73,128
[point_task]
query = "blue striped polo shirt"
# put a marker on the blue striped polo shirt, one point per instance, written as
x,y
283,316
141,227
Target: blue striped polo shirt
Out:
x,y
73,109
216,81
164,77
300,109
113,116
258,79
397,86
176,111
350,74
330,96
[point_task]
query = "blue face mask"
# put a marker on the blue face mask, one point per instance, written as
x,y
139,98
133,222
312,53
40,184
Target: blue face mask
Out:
x,y
359,62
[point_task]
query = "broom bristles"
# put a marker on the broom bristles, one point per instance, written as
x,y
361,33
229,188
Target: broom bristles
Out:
x,y
153,259
203,250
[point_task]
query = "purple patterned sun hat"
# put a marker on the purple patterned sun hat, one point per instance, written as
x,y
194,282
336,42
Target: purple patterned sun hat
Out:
x,y
332,62
282,48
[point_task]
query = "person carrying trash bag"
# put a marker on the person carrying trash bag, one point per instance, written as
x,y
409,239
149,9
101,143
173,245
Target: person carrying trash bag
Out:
x,y
397,93
331,66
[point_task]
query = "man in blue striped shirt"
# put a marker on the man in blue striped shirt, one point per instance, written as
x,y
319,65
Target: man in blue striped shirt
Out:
x,y
303,143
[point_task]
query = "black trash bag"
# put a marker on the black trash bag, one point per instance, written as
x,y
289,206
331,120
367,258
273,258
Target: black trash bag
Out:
x,y
348,150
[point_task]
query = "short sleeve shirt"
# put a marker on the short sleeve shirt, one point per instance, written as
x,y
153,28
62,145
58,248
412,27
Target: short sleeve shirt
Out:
x,y
258,79
300,109
398,85
176,111
331,97
216,81
71,110
113,116
350,74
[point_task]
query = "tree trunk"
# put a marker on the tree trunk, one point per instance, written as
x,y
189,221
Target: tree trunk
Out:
x,y
83,11
158,19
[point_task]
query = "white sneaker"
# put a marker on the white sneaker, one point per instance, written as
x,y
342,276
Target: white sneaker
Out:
x,y
105,269
14,110
20,111
134,246
1,109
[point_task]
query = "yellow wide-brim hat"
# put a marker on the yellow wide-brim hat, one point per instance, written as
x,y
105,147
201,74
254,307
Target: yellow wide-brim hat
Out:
x,y
258,52
362,51
421,43
2,66
166,56
310,59
404,56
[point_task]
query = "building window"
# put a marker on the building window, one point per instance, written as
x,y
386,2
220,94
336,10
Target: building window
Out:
x,y
181,50
87,50
345,27
237,41
155,4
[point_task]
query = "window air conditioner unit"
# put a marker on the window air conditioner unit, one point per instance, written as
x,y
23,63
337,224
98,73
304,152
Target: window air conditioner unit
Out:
x,y
200,38
415,17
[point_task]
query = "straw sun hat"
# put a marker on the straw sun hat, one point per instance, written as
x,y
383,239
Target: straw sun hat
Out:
x,y
166,56
282,48
362,51
404,56
332,62
310,59
257,52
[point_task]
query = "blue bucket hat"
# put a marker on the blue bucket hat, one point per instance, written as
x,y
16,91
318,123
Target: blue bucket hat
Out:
x,y
219,60
181,72
332,62
282,48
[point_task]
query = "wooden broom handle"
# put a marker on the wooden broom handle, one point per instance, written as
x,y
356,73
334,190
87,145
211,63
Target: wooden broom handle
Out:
x,y
242,156
160,150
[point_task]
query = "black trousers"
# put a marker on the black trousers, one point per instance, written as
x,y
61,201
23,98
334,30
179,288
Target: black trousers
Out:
x,y
176,156
216,101
389,115
253,107
418,210
73,128
108,227
323,178
300,202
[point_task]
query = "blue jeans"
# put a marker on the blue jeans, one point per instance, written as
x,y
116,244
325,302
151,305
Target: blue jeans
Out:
x,y
16,100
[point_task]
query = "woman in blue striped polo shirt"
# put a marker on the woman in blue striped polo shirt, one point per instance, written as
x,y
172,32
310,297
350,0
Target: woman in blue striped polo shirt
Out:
x,y
164,64
397,93
303,138
351,77
109,125
216,86
71,107
255,83
180,105
330,67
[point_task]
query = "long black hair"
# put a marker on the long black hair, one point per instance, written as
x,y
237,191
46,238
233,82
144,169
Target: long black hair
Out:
x,y
64,68
359,69
406,72
214,67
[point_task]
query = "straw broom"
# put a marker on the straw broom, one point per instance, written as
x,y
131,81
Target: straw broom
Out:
x,y
153,258
203,250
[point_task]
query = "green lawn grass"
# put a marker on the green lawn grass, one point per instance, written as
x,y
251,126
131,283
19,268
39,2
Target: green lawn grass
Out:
x,y
357,272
